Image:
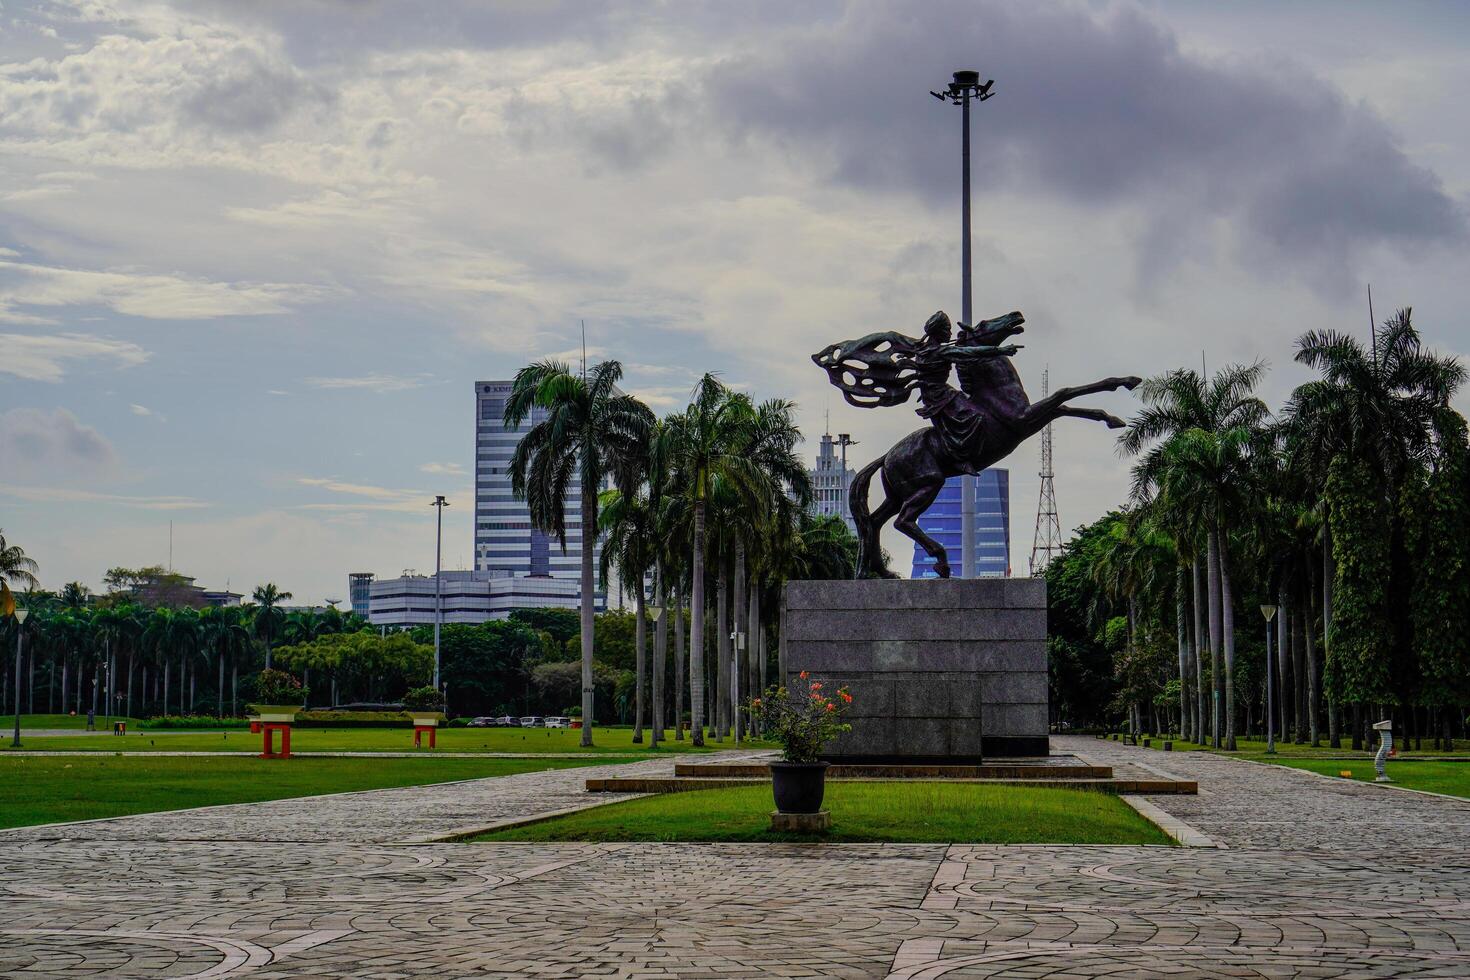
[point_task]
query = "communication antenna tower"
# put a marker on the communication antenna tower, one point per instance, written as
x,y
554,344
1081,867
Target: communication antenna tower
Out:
x,y
1048,539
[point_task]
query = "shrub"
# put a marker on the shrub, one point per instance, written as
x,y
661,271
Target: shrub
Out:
x,y
193,721
425,698
278,687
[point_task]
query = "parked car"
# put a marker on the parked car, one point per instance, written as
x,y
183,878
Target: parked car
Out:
x,y
558,722
482,722
532,721
506,721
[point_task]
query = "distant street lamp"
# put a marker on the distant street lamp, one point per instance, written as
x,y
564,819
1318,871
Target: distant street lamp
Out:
x,y
20,619
1270,613
439,504
964,88
656,729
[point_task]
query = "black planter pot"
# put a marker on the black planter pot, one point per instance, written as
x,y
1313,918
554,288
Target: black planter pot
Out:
x,y
798,786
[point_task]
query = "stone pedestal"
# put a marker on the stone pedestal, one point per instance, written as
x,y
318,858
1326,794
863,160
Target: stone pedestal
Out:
x,y
939,669
802,823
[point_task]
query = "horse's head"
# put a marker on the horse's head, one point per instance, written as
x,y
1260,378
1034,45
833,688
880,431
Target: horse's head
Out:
x,y
992,333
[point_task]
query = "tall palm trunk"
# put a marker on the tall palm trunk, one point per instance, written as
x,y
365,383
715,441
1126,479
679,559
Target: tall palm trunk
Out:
x,y
165,685
640,663
1334,725
1182,636
739,609
723,715
1227,622
696,630
589,539
1309,621
1283,663
1212,570
660,655
64,664
129,712
1299,666
1197,589
753,645
219,690
678,666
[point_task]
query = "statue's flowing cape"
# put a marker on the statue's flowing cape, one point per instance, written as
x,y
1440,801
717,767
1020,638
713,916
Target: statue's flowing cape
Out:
x,y
871,371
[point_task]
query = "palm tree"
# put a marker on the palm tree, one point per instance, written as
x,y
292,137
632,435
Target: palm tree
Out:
x,y
15,567
626,519
588,432
270,620
1203,434
704,444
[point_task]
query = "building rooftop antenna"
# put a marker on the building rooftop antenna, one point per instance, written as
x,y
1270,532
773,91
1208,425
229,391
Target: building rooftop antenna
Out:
x,y
1048,538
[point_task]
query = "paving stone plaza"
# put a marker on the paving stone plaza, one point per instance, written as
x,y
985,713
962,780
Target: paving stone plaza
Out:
x,y
1313,878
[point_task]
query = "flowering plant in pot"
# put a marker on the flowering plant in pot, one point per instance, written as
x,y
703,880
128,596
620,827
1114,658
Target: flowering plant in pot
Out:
x,y
278,696
802,721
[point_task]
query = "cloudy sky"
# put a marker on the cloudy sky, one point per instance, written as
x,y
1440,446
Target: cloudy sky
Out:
x,y
253,256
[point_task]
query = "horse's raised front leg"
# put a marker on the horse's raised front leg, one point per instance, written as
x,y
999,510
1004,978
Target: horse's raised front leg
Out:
x,y
908,522
1061,395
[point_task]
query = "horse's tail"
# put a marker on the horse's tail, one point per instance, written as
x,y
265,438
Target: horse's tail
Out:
x,y
857,506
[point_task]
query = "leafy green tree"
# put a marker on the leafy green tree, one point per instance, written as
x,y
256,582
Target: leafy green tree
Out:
x,y
1357,669
589,431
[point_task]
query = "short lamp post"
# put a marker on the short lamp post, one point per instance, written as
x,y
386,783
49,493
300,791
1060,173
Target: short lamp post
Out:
x,y
655,731
20,619
737,640
1270,613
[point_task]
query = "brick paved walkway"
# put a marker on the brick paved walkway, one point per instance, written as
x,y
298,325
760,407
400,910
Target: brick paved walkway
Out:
x,y
329,887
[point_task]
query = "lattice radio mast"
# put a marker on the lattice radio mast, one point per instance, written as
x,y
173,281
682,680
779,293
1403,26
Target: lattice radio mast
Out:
x,y
1048,539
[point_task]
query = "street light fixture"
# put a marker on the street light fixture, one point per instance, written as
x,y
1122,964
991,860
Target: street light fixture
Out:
x,y
439,504
964,88
20,619
1270,613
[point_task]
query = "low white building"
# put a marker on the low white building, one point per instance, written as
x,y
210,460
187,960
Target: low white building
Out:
x,y
468,597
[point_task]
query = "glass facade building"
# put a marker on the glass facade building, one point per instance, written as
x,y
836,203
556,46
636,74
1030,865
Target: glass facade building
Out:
x,y
992,503
504,537
359,587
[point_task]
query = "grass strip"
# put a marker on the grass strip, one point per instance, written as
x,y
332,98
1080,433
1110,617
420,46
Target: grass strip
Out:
x,y
51,789
862,812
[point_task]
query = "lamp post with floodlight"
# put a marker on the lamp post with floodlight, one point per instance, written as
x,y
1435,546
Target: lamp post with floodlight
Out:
x,y
964,88
20,620
439,504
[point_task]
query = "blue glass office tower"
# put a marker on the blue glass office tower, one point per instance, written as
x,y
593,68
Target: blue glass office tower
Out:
x,y
941,522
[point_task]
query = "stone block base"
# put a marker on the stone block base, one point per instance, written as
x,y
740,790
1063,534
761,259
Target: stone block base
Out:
x,y
940,670
802,823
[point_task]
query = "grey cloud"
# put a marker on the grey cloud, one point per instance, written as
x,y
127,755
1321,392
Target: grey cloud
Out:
x,y
1098,109
251,92
34,442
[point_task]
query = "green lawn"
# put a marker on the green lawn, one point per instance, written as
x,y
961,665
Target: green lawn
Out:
x,y
915,812
7,722
614,740
50,789
1451,778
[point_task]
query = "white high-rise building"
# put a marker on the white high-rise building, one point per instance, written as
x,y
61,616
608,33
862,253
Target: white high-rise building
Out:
x,y
504,537
830,482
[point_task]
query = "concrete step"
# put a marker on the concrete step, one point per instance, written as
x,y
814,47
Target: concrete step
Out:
x,y
842,770
681,784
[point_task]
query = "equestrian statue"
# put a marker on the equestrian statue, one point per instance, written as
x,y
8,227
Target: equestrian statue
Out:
x,y
970,428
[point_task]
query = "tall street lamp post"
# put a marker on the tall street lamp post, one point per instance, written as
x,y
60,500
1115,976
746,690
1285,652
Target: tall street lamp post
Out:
x,y
1270,613
20,619
439,504
964,88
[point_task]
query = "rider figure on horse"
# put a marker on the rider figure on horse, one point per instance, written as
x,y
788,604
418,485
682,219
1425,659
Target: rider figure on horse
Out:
x,y
952,412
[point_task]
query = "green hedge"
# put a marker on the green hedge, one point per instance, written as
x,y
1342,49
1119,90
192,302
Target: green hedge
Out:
x,y
192,721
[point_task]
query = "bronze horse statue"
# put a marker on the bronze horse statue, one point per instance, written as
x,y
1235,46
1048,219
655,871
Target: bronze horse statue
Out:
x,y
971,428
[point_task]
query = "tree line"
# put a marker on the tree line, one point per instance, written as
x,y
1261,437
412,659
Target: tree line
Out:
x,y
1344,517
